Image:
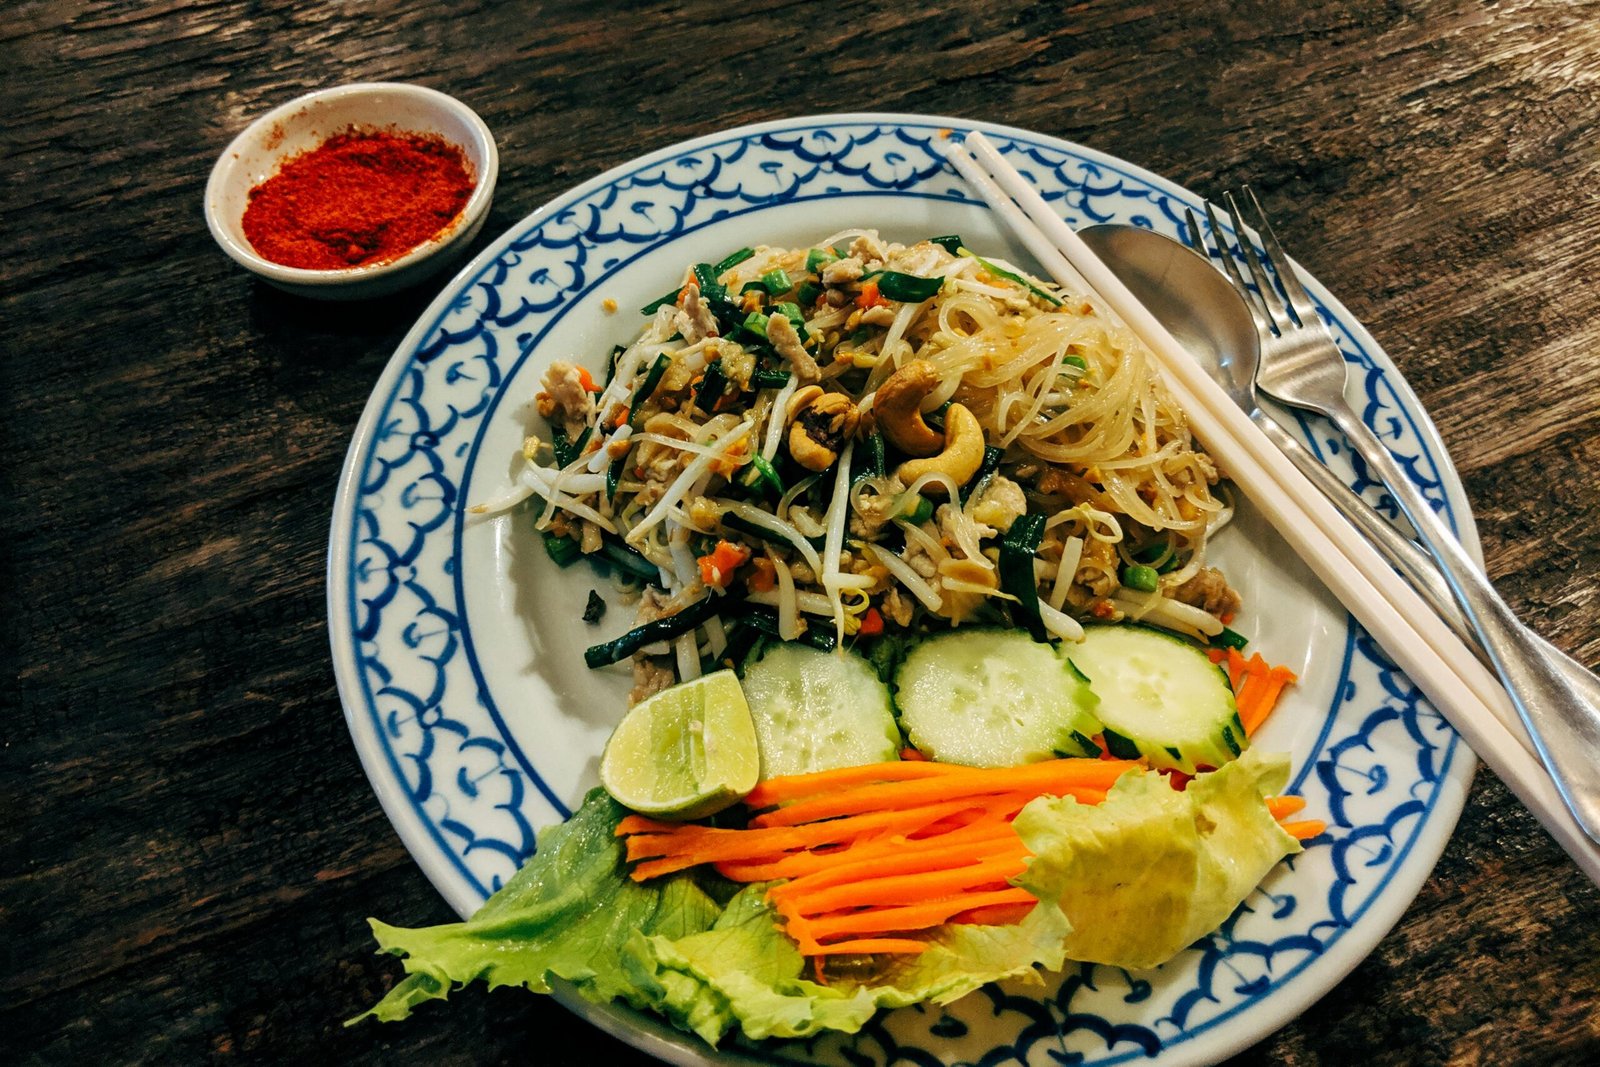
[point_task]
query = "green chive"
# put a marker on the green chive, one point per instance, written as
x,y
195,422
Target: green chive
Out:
x,y
734,259
661,302
776,281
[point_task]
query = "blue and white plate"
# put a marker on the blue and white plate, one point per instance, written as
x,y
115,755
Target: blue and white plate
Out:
x,y
457,645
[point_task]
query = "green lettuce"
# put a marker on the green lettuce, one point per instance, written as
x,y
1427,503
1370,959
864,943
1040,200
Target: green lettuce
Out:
x,y
568,913
746,972
667,945
1151,870
1130,882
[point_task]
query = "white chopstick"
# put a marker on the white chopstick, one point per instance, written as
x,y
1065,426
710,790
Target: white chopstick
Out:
x,y
1408,630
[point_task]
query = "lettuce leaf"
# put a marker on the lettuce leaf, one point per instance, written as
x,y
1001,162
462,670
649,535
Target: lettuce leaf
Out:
x,y
1151,870
1130,882
745,972
568,913
667,945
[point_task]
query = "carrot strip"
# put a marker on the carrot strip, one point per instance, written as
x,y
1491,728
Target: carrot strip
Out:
x,y
791,787
913,755
1282,807
1306,829
909,889
994,914
1055,777
1266,698
799,865
689,845
910,917
906,857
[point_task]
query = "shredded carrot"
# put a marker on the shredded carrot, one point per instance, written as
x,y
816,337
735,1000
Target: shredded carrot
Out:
x,y
586,380
868,850
1054,777
905,858
893,848
994,914
690,845
912,888
1216,655
909,917
1282,807
788,788
912,754
1305,829
1256,687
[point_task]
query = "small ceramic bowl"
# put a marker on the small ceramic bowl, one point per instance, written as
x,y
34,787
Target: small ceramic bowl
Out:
x,y
302,124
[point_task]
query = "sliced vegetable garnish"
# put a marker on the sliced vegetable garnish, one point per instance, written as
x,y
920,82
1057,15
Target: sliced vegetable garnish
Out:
x,y
652,379
776,281
950,242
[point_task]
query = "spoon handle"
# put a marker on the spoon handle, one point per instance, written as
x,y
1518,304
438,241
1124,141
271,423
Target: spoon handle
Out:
x,y
1415,565
1564,725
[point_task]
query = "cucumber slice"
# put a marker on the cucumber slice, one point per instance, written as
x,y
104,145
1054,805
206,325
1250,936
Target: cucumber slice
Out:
x,y
1160,698
814,711
994,698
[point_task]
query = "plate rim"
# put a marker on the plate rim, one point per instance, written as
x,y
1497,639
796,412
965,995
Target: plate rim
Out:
x,y
430,852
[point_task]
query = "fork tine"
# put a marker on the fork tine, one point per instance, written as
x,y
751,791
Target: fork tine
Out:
x,y
1231,269
1304,308
1258,271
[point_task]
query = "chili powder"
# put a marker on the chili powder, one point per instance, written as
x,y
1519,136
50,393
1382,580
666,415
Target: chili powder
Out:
x,y
360,198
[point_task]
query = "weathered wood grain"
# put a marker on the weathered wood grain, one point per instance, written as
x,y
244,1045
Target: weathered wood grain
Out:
x,y
191,847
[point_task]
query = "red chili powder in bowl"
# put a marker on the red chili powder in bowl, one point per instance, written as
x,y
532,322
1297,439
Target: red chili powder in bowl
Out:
x,y
360,198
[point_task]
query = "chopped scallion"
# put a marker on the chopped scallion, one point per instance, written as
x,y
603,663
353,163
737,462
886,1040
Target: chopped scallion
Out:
x,y
776,281
1141,578
561,549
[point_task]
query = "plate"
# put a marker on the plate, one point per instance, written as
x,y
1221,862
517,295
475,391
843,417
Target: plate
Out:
x,y
457,646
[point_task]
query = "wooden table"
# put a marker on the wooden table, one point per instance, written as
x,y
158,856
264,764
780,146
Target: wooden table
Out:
x,y
191,846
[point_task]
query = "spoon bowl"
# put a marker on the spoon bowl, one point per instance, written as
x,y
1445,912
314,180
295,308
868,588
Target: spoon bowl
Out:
x,y
1190,297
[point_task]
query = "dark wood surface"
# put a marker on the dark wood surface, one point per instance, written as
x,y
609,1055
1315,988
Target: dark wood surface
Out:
x,y
190,846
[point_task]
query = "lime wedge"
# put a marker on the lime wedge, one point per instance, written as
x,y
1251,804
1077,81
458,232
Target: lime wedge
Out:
x,y
686,752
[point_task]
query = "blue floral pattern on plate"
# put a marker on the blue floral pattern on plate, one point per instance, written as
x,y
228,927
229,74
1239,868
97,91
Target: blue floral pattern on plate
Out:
x,y
1385,771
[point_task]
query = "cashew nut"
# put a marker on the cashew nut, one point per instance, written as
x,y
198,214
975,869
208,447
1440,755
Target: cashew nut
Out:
x,y
896,407
962,455
821,428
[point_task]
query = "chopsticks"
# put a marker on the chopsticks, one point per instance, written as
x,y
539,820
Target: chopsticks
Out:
x,y
1418,640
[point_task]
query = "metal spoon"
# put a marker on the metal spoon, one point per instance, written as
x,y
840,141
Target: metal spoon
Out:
x,y
1204,312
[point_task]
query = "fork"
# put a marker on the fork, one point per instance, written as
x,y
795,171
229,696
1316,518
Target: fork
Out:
x,y
1301,366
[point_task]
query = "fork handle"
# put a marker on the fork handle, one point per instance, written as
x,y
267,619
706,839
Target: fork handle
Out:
x,y
1415,565
1564,726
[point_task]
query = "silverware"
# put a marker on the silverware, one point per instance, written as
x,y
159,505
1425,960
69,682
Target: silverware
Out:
x,y
1301,365
1199,306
